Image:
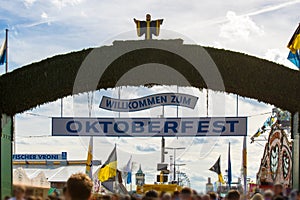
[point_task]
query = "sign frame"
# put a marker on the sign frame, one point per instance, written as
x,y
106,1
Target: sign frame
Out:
x,y
156,127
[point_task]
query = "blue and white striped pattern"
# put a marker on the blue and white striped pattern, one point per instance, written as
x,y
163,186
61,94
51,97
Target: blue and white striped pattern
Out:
x,y
3,51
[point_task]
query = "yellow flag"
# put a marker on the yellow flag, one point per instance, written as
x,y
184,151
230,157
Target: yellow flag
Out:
x,y
109,168
220,178
294,43
89,160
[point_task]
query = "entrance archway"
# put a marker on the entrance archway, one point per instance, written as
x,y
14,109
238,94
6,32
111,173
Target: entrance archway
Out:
x,y
247,76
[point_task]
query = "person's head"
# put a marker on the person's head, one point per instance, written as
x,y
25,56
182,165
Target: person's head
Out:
x,y
186,194
233,195
52,197
151,195
278,189
106,197
166,196
20,192
212,195
64,190
294,195
161,194
115,197
175,195
278,197
125,197
205,197
257,196
148,17
6,197
79,187
268,195
197,197
195,192
31,198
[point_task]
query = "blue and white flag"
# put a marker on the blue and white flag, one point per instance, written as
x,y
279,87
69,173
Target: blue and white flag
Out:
x,y
128,169
294,58
3,52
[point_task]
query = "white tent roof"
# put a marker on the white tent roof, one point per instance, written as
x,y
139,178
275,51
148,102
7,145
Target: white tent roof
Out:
x,y
60,174
63,173
31,178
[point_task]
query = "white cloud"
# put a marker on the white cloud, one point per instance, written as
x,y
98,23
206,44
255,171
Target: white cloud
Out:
x,y
147,147
62,3
239,27
279,56
29,3
44,15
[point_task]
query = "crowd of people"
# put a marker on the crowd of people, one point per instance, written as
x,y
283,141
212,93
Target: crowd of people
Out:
x,y
79,187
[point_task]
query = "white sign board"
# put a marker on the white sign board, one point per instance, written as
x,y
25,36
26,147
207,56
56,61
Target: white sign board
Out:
x,y
147,127
48,157
163,99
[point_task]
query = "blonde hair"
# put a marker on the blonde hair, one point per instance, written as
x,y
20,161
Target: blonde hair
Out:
x,y
257,196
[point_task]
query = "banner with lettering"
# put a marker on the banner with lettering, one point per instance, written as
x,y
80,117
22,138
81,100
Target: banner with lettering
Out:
x,y
163,99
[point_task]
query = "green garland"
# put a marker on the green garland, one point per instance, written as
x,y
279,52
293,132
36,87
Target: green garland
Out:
x,y
53,78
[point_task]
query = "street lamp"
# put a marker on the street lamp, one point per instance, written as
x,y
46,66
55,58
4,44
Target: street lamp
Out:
x,y
174,152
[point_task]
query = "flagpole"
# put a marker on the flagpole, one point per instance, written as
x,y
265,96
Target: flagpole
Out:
x,y
6,55
131,177
117,175
244,152
90,108
177,104
229,171
207,102
100,187
61,107
245,165
119,97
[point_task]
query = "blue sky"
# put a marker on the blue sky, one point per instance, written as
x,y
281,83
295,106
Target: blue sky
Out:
x,y
42,29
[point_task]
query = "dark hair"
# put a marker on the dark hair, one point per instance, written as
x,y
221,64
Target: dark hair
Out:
x,y
162,194
64,189
105,197
151,194
278,185
195,192
186,191
30,198
125,197
176,193
186,194
212,195
233,195
278,197
79,186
